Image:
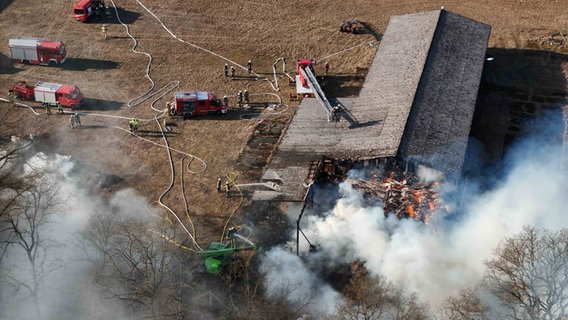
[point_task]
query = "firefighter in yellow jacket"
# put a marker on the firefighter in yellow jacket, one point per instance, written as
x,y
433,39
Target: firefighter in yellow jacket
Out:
x,y
133,125
104,30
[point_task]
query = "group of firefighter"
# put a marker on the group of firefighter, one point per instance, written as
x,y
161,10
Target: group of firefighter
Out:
x,y
233,70
47,107
75,117
227,187
240,96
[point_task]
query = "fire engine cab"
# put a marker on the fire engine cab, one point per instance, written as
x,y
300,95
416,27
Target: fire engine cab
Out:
x,y
85,9
196,103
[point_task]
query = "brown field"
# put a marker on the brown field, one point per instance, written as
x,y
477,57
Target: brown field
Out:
x,y
110,74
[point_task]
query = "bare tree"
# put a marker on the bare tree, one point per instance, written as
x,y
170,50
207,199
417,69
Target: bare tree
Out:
x,y
136,264
530,275
27,209
249,298
466,306
373,298
12,185
527,279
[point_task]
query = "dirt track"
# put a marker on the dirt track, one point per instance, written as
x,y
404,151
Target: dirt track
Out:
x,y
110,74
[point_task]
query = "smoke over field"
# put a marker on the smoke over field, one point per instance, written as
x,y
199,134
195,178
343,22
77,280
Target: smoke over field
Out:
x,y
437,259
57,271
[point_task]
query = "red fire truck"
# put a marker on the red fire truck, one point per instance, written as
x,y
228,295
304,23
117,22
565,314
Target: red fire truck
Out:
x,y
196,103
85,9
37,51
67,95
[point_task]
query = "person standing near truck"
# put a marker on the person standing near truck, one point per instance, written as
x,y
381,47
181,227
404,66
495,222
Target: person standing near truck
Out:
x,y
72,121
247,99
77,119
240,98
47,108
104,31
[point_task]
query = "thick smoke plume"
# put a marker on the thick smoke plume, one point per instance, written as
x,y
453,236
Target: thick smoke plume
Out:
x,y
438,259
287,278
67,292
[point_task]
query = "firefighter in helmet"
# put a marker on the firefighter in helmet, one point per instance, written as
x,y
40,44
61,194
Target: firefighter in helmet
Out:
x,y
247,100
226,101
335,113
228,188
249,66
233,72
133,125
240,98
59,107
104,30
77,119
12,97
47,108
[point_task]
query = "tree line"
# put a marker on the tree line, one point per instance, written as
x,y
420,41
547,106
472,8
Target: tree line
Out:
x,y
134,266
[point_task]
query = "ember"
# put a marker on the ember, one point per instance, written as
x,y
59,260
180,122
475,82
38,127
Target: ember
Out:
x,y
404,195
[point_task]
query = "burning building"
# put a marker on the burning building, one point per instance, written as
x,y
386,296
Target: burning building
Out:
x,y
415,107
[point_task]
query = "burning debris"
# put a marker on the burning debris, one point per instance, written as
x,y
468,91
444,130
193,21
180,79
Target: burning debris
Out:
x,y
405,195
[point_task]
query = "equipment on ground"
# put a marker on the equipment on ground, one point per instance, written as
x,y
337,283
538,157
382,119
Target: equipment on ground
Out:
x,y
85,10
308,86
196,103
350,25
51,93
219,256
37,51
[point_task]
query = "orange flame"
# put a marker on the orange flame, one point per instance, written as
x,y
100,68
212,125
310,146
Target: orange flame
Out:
x,y
432,205
410,211
417,196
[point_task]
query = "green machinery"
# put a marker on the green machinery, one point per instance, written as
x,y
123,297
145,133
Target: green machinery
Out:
x,y
219,255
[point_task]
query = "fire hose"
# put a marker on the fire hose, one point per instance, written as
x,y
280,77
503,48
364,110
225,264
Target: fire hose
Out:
x,y
201,48
142,98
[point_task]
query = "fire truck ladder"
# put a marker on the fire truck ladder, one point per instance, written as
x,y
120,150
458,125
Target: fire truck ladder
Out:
x,y
318,92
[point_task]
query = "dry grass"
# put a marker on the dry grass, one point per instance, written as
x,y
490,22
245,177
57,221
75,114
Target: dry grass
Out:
x,y
110,74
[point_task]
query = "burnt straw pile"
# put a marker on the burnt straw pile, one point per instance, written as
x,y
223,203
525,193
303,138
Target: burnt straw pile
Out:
x,y
402,194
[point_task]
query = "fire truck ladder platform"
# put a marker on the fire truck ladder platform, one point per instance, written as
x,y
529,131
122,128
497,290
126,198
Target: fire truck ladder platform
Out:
x,y
318,92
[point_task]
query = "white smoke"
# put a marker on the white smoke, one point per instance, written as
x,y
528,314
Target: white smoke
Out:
x,y
287,278
436,261
67,292
428,174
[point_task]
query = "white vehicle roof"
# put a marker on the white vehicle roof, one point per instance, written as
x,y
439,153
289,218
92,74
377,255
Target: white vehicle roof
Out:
x,y
24,42
197,95
47,87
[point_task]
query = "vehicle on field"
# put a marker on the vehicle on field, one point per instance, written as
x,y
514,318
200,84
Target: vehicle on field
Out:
x,y
37,51
51,93
196,103
85,10
350,25
220,255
